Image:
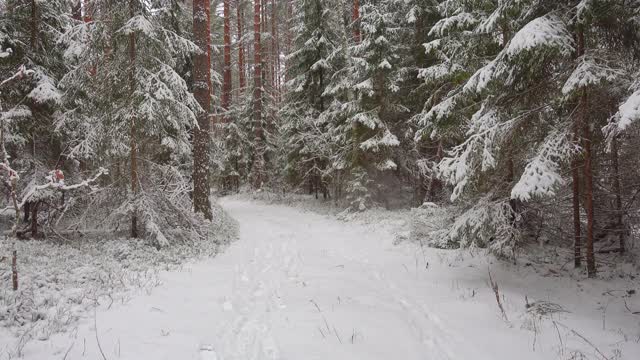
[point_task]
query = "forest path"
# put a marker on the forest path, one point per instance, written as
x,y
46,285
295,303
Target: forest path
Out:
x,y
298,286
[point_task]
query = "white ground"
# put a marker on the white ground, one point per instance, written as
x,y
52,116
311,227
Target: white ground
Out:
x,y
303,286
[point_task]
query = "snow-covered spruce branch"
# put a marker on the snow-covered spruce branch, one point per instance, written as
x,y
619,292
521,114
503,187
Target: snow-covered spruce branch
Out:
x,y
21,73
60,185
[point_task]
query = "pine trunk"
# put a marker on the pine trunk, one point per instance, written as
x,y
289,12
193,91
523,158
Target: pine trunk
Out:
x,y
274,50
241,67
588,188
618,194
76,10
575,174
226,86
257,97
289,38
575,179
355,18
133,125
587,171
87,11
34,25
202,93
14,270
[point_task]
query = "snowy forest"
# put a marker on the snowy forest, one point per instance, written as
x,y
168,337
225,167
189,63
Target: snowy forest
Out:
x,y
157,153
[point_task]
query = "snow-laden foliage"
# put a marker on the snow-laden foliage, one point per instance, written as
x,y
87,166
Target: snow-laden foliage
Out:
x,y
542,176
118,97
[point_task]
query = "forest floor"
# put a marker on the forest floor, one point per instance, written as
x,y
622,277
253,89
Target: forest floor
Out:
x,y
304,285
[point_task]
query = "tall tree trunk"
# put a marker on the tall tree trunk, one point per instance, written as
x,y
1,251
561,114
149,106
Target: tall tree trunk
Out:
x,y
133,125
257,97
34,25
14,270
588,187
587,171
88,11
435,185
241,67
202,93
76,10
274,50
575,185
227,85
575,172
355,18
289,40
617,190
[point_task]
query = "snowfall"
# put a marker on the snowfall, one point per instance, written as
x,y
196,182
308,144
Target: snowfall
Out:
x,y
300,284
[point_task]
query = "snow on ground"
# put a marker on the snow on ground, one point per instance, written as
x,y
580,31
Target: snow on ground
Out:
x,y
61,280
301,285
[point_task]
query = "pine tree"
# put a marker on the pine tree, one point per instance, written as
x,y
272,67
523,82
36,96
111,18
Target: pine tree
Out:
x,y
145,128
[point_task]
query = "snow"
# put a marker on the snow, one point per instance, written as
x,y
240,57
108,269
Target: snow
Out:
x,y
136,24
547,31
629,111
458,21
588,73
542,175
299,285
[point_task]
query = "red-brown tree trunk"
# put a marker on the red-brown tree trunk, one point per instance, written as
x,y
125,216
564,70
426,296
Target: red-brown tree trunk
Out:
x,y
202,93
241,66
87,11
226,85
355,18
76,10
133,125
257,96
617,189
289,38
274,49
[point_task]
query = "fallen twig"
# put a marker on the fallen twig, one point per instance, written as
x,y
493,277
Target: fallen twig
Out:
x,y
627,306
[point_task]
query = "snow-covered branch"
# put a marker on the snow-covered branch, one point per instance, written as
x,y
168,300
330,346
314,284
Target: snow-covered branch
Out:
x,y
54,183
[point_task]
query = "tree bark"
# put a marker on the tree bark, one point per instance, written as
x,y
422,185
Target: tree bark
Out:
x,y
588,188
435,185
76,10
202,93
289,39
34,25
355,18
133,125
14,270
87,12
227,85
241,66
618,193
274,50
587,171
257,97
34,219
575,185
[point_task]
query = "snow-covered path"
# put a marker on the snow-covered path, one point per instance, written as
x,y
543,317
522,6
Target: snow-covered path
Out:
x,y
300,286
